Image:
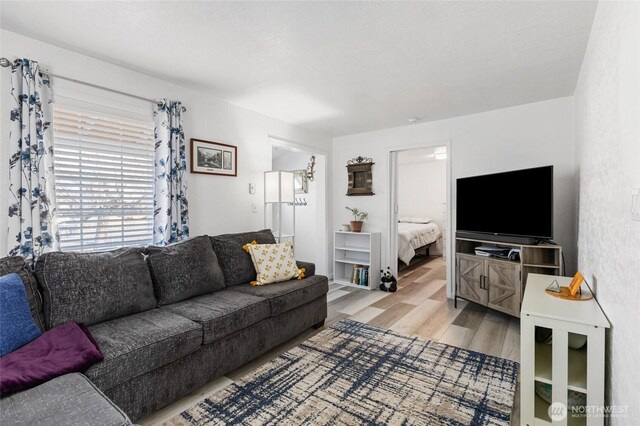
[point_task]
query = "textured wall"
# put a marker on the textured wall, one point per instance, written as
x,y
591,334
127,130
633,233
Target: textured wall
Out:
x,y
607,114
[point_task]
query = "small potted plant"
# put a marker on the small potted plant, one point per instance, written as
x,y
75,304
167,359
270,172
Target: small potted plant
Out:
x,y
358,217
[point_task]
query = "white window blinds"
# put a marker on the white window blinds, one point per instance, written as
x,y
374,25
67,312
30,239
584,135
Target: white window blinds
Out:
x,y
104,179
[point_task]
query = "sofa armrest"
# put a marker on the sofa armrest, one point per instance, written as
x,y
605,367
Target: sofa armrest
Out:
x,y
309,268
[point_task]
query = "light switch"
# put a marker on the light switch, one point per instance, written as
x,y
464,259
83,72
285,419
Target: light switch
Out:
x,y
252,188
635,205
254,207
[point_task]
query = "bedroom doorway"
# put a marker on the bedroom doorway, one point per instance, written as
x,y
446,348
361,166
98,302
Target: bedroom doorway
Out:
x,y
419,217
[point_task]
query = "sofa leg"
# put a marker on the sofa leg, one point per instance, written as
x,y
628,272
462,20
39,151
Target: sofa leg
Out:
x,y
318,325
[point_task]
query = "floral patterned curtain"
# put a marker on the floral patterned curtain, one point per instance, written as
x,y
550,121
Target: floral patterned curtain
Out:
x,y
171,212
31,229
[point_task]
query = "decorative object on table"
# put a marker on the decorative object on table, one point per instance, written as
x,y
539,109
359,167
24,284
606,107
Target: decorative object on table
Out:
x,y
355,373
387,281
213,158
310,172
279,194
572,292
360,176
346,227
300,182
358,218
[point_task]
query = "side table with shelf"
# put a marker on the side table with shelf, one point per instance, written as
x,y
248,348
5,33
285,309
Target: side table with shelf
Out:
x,y
580,370
356,249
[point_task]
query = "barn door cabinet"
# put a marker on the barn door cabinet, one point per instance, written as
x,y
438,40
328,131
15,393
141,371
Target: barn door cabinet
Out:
x,y
492,283
499,283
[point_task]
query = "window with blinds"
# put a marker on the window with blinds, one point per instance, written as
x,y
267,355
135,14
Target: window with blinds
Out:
x,y
104,179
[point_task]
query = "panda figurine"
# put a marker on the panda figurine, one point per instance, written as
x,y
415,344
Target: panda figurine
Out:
x,y
388,281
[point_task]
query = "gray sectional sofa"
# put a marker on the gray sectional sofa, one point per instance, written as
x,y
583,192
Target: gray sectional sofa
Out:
x,y
169,319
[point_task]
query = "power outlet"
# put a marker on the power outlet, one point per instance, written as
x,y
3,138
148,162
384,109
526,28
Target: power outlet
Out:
x,y
635,205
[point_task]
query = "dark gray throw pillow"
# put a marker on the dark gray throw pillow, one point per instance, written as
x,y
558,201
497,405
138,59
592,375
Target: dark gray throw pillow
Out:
x,y
16,265
236,263
94,287
184,269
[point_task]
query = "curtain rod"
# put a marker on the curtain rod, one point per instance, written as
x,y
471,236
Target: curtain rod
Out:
x,y
4,62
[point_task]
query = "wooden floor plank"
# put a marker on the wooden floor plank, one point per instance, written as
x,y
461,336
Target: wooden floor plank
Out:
x,y
437,324
511,347
367,314
416,317
336,294
471,316
459,336
366,298
491,333
392,315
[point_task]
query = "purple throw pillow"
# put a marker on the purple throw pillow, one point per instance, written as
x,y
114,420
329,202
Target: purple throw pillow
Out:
x,y
68,348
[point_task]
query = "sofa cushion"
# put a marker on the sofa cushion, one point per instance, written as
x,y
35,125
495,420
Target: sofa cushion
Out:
x,y
289,294
17,327
70,400
139,343
223,312
16,265
185,269
94,287
236,263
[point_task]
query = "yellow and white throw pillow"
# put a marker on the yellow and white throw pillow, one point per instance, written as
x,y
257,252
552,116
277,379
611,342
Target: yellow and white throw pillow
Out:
x,y
273,262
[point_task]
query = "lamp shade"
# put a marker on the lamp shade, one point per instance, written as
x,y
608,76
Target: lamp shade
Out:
x,y
278,187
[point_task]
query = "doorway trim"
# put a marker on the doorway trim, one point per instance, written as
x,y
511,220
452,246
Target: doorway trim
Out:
x,y
392,203
322,205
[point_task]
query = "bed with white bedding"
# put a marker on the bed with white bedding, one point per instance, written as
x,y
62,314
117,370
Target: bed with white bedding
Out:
x,y
412,236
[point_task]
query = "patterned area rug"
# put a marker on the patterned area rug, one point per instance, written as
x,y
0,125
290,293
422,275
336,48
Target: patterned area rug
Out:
x,y
354,373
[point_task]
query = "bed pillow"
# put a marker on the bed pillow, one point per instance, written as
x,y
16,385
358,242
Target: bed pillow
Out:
x,y
16,322
273,262
414,219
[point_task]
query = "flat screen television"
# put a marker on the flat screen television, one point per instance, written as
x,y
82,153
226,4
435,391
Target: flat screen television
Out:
x,y
514,206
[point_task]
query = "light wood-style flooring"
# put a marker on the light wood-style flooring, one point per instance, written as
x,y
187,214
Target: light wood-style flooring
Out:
x,y
419,308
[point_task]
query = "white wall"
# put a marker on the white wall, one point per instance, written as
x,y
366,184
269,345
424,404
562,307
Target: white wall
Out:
x,y
422,191
607,123
217,204
529,135
306,247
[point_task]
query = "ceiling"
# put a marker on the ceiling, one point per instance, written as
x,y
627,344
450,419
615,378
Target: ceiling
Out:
x,y
334,67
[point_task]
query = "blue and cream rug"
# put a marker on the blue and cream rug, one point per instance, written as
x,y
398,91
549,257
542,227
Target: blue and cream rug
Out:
x,y
353,373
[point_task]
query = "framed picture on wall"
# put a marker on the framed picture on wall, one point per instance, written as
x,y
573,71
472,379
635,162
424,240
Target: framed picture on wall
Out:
x,y
300,182
360,176
213,158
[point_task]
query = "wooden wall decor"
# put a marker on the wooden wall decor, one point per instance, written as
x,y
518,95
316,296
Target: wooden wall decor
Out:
x,y
360,176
